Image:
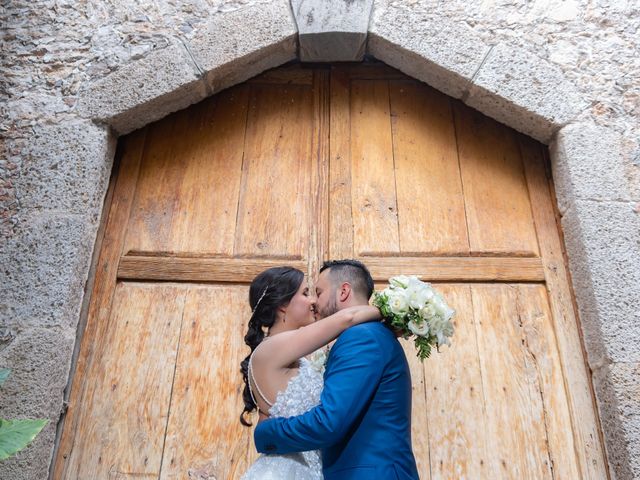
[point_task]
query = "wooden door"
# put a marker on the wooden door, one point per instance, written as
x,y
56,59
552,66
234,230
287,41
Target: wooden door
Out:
x,y
303,164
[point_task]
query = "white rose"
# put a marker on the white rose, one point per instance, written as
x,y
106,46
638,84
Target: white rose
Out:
x,y
418,294
442,329
421,330
398,302
428,311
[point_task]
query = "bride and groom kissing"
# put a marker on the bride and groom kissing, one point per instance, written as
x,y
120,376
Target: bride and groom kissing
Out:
x,y
354,420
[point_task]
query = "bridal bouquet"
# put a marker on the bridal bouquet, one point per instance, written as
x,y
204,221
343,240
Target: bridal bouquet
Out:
x,y
416,308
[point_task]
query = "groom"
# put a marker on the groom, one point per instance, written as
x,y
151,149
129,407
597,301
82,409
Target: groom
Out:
x,y
363,422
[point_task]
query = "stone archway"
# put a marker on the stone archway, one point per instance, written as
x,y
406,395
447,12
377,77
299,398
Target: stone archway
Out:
x,y
509,85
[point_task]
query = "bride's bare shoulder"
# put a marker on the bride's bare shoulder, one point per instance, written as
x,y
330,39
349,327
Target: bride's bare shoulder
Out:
x,y
270,345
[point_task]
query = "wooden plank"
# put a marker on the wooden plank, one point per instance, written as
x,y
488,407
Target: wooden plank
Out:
x,y
293,75
457,269
125,408
455,399
189,186
516,437
102,294
340,215
420,428
273,212
449,269
577,378
431,214
198,269
371,71
154,196
319,191
373,189
498,211
542,353
204,434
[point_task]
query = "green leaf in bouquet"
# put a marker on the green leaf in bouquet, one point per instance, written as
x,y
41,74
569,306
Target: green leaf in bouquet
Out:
x,y
424,347
17,434
4,374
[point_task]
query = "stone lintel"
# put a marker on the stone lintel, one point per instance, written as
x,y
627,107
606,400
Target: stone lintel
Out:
x,y
241,44
146,90
332,30
435,50
525,92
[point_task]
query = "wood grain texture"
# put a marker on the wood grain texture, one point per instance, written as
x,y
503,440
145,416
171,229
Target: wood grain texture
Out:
x,y
454,269
516,436
586,429
274,211
102,296
340,228
420,426
373,187
198,269
431,214
497,205
455,398
124,417
189,184
542,355
204,434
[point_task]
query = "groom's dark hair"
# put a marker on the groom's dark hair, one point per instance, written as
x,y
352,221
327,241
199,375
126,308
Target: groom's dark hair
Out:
x,y
351,271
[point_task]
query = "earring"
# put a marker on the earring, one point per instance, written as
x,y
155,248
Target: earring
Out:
x,y
284,318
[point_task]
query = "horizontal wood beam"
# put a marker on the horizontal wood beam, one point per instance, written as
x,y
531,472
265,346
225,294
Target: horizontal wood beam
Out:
x,y
458,269
437,269
198,269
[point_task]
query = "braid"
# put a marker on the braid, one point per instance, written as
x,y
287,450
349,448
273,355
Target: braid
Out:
x,y
268,291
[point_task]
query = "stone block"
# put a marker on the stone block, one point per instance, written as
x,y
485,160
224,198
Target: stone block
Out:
x,y
525,92
603,246
164,81
44,270
588,163
39,359
66,168
435,50
617,388
332,30
240,44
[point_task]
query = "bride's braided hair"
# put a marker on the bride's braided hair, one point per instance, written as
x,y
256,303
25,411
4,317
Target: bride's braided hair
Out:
x,y
268,291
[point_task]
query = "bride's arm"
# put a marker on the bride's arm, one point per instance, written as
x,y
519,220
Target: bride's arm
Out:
x,y
285,348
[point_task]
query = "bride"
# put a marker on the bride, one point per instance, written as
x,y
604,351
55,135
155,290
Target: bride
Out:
x,y
279,380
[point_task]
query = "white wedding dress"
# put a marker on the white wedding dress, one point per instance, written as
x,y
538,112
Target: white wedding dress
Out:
x,y
302,393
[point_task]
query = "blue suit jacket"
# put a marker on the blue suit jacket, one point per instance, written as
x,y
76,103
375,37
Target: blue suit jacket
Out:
x,y
363,422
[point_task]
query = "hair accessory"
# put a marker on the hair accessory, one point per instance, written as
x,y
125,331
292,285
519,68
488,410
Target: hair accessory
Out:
x,y
259,300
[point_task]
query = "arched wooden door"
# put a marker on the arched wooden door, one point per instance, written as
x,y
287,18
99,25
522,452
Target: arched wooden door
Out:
x,y
303,164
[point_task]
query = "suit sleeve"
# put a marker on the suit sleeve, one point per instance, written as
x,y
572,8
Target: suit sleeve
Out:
x,y
352,376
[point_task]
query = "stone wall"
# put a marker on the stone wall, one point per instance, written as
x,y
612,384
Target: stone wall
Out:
x,y
63,55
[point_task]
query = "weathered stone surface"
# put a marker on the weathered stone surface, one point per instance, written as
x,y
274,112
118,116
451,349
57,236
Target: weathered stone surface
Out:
x,y
525,92
603,247
439,52
39,359
241,44
66,168
146,90
332,30
617,388
588,163
44,270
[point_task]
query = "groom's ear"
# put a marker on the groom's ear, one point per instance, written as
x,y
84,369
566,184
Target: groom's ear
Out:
x,y
344,292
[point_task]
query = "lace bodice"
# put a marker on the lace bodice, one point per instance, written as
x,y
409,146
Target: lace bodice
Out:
x,y
302,393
